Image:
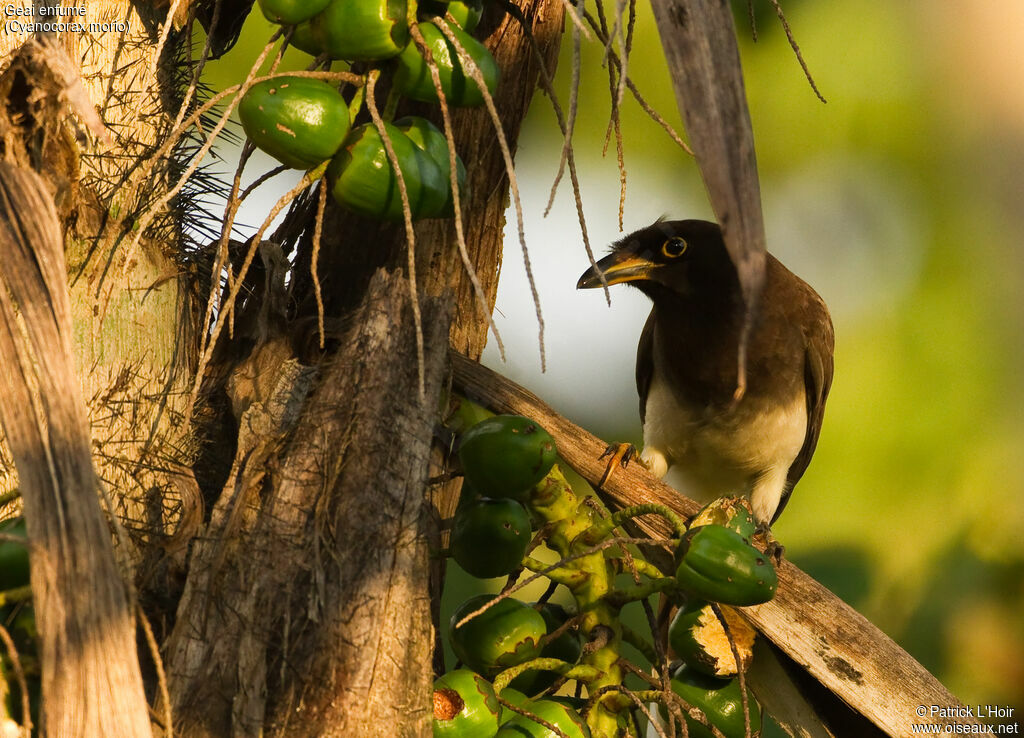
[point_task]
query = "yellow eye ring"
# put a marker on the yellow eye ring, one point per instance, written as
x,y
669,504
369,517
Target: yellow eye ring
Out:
x,y
674,247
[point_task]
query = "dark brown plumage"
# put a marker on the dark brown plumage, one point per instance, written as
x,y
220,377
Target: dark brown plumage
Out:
x,y
686,371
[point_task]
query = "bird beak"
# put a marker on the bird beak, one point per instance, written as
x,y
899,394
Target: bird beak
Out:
x,y
618,266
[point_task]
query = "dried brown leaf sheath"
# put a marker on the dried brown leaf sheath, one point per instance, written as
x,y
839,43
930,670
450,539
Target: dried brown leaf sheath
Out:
x,y
91,680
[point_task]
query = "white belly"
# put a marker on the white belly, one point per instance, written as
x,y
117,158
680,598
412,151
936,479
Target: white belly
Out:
x,y
712,458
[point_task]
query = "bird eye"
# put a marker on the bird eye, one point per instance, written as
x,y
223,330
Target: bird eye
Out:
x,y
674,247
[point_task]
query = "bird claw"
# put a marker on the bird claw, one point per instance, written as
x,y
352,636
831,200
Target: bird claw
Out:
x,y
772,548
621,454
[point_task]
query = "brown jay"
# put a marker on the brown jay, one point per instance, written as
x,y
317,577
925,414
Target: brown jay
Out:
x,y
687,365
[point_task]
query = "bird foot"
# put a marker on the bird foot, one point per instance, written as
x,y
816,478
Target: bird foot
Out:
x,y
621,454
772,548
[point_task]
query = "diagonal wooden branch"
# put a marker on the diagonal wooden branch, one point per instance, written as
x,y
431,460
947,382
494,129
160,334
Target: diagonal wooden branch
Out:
x,y
92,685
702,56
832,641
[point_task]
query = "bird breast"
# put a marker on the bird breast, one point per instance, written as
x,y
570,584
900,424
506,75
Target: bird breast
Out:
x,y
745,449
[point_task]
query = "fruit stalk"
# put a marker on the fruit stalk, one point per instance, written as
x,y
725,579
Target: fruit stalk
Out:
x,y
581,672
602,529
567,518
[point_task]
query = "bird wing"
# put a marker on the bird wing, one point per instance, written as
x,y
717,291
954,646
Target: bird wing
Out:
x,y
645,365
818,365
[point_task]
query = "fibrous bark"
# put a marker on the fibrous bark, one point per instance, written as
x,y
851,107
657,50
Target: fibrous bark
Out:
x,y
366,645
88,112
310,580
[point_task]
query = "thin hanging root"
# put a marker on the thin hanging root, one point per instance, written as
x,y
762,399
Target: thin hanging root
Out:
x,y
643,708
570,124
610,36
576,20
230,211
626,51
470,66
161,675
796,49
279,56
549,90
625,41
204,359
620,159
637,672
753,20
574,178
281,169
739,664
645,106
235,201
318,226
197,70
460,236
410,234
234,204
678,708
612,78
533,718
19,674
656,117
165,31
565,627
615,81
608,543
616,87
660,663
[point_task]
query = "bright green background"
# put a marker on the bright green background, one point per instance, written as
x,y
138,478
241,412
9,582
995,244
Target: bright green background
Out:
x,y
900,201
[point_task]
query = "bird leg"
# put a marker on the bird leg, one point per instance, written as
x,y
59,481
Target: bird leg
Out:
x,y
772,547
621,454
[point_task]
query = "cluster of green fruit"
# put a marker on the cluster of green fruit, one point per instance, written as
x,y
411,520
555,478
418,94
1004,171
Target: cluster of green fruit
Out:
x,y
303,121
466,706
509,633
506,457
718,565
503,457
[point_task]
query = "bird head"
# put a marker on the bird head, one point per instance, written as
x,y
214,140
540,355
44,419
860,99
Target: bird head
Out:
x,y
682,257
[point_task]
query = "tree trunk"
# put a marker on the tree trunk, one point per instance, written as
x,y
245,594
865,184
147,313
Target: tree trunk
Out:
x,y
307,607
92,414
367,653
133,324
